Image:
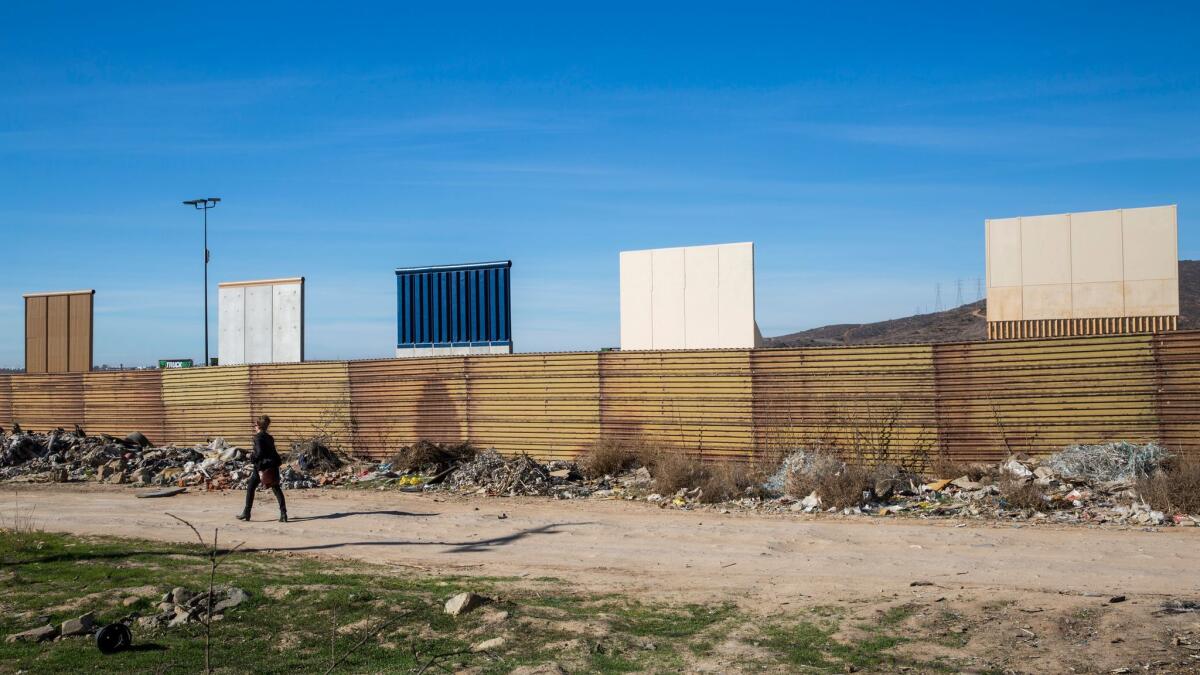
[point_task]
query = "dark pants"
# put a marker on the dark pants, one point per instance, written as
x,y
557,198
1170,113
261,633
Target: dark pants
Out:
x,y
253,485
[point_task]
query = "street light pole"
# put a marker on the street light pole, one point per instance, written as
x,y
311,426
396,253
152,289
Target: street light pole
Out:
x,y
204,205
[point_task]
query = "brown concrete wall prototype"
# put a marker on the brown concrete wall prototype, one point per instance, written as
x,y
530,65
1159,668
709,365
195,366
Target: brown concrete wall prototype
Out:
x,y
58,332
969,401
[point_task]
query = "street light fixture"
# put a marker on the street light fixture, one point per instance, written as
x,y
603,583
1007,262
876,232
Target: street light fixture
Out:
x,y
204,205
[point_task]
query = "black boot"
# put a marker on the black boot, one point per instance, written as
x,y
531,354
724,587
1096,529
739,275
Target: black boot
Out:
x,y
283,516
244,515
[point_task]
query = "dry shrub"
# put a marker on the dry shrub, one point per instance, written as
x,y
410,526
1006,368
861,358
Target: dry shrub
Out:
x,y
434,457
945,466
839,484
727,481
1175,487
1024,494
673,471
607,457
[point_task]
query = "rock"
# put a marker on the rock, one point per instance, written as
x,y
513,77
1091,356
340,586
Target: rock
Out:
x,y
561,473
233,598
118,478
180,595
550,668
464,603
130,601
182,616
965,483
81,626
142,476
149,621
167,606
1116,598
495,617
41,634
494,643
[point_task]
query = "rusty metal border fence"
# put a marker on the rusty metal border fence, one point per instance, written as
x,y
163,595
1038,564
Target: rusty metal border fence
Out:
x,y
967,401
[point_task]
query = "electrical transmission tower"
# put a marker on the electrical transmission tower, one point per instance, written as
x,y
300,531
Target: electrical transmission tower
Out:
x,y
937,297
958,298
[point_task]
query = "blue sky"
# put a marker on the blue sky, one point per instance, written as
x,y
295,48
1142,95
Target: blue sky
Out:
x,y
859,145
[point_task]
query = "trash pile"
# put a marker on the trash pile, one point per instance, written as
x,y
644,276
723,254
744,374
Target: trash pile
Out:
x,y
491,473
181,606
62,456
1083,483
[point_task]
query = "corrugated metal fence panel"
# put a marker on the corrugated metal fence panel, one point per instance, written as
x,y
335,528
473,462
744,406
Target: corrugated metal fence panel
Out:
x,y
303,400
698,401
400,401
119,402
1037,396
6,411
873,401
203,403
42,402
1178,359
545,404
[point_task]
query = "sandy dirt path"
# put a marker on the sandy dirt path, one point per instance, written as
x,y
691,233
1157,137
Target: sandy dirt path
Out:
x,y
613,545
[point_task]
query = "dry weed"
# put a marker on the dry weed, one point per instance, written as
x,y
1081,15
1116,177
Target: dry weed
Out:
x,y
1175,488
427,456
607,457
1025,495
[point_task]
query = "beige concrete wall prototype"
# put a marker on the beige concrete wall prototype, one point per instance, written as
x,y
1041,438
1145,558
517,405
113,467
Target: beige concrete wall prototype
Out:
x,y
261,321
1097,264
696,297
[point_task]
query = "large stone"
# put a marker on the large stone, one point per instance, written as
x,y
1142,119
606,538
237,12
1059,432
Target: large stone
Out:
x,y
487,645
465,602
180,595
233,598
965,483
544,669
81,626
41,634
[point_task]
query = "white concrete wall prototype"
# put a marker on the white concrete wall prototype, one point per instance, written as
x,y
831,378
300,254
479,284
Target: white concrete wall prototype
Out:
x,y
695,297
1097,264
261,321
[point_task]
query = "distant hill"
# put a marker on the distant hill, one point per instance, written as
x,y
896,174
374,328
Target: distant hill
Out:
x,y
968,322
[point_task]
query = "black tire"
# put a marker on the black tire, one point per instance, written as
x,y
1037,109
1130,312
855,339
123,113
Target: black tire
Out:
x,y
113,638
138,438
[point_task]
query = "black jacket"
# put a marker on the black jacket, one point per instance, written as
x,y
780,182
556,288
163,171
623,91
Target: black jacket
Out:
x,y
265,456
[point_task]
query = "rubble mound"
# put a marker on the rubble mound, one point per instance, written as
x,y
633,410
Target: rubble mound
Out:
x,y
491,472
429,458
181,606
62,456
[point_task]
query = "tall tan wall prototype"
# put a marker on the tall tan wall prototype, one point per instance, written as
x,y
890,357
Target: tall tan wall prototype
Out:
x,y
1080,266
970,401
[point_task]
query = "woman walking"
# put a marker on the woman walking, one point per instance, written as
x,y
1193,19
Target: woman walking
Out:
x,y
266,469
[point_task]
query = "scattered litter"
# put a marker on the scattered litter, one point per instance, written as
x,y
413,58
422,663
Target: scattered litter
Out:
x,y
1180,607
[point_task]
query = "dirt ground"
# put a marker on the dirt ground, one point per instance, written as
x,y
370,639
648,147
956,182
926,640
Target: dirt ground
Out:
x,y
1021,598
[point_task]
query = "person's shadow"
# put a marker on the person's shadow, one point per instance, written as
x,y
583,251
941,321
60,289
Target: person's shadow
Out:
x,y
347,514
